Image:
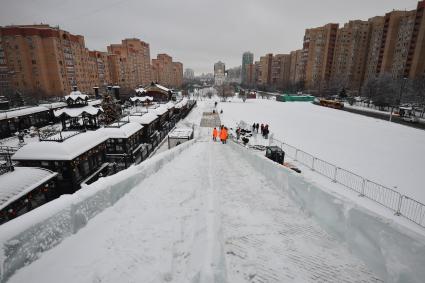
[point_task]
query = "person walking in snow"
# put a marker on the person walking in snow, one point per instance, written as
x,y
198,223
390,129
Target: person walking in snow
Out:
x,y
215,133
253,127
266,131
238,133
262,129
223,134
256,127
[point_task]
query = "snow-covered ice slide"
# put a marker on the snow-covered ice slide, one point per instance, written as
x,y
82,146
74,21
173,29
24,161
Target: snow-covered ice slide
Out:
x,y
207,216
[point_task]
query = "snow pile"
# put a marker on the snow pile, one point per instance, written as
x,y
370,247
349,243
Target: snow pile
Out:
x,y
393,252
24,238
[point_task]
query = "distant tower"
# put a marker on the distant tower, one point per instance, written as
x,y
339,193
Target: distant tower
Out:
x,y
247,59
219,73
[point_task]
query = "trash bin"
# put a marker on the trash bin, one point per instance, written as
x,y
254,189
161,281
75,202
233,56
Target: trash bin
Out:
x,y
275,153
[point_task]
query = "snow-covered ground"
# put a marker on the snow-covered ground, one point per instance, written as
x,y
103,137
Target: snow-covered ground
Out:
x,y
216,214
207,216
387,153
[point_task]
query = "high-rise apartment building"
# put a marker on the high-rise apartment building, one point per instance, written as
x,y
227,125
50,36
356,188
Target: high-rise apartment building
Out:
x,y
318,49
166,72
395,44
177,80
219,73
265,71
295,70
376,30
415,63
99,73
247,59
134,57
350,56
42,59
250,79
280,71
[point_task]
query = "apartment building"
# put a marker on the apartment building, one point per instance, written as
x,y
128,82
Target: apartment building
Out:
x,y
415,62
247,59
132,63
265,70
42,59
376,30
100,74
177,80
295,74
350,55
166,72
280,71
318,49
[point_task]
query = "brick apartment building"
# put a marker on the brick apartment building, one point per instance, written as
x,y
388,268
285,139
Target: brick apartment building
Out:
x,y
40,58
130,67
47,61
350,55
318,49
166,72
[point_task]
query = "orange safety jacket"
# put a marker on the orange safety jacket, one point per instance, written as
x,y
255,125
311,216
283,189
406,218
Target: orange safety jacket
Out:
x,y
215,133
223,134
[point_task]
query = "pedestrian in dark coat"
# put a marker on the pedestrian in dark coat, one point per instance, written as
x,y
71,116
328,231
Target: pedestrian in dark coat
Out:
x,y
262,129
256,127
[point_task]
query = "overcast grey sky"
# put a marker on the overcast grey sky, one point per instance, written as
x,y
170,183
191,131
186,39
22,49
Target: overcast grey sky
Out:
x,y
196,32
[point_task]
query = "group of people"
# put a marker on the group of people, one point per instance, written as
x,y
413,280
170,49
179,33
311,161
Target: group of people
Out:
x,y
222,134
264,129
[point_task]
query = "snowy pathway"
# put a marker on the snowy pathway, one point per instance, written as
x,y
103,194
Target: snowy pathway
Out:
x,y
207,216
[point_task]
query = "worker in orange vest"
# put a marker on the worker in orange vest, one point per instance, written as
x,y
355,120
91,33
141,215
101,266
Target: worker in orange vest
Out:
x,y
215,133
223,135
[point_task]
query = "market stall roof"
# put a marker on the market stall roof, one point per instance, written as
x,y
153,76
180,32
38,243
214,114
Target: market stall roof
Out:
x,y
76,94
54,105
181,104
77,112
162,87
169,105
161,110
181,133
66,150
120,130
22,112
140,90
22,180
141,98
144,119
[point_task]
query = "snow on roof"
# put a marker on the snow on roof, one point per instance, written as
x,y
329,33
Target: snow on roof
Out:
x,y
74,95
76,112
161,110
54,105
22,112
181,104
95,102
162,87
181,133
169,105
66,150
22,180
140,90
144,119
124,131
141,98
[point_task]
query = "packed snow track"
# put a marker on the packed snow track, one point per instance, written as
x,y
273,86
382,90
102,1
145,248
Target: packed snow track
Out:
x,y
207,216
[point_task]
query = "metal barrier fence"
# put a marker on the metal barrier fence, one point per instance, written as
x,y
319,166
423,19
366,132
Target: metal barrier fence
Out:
x,y
400,204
